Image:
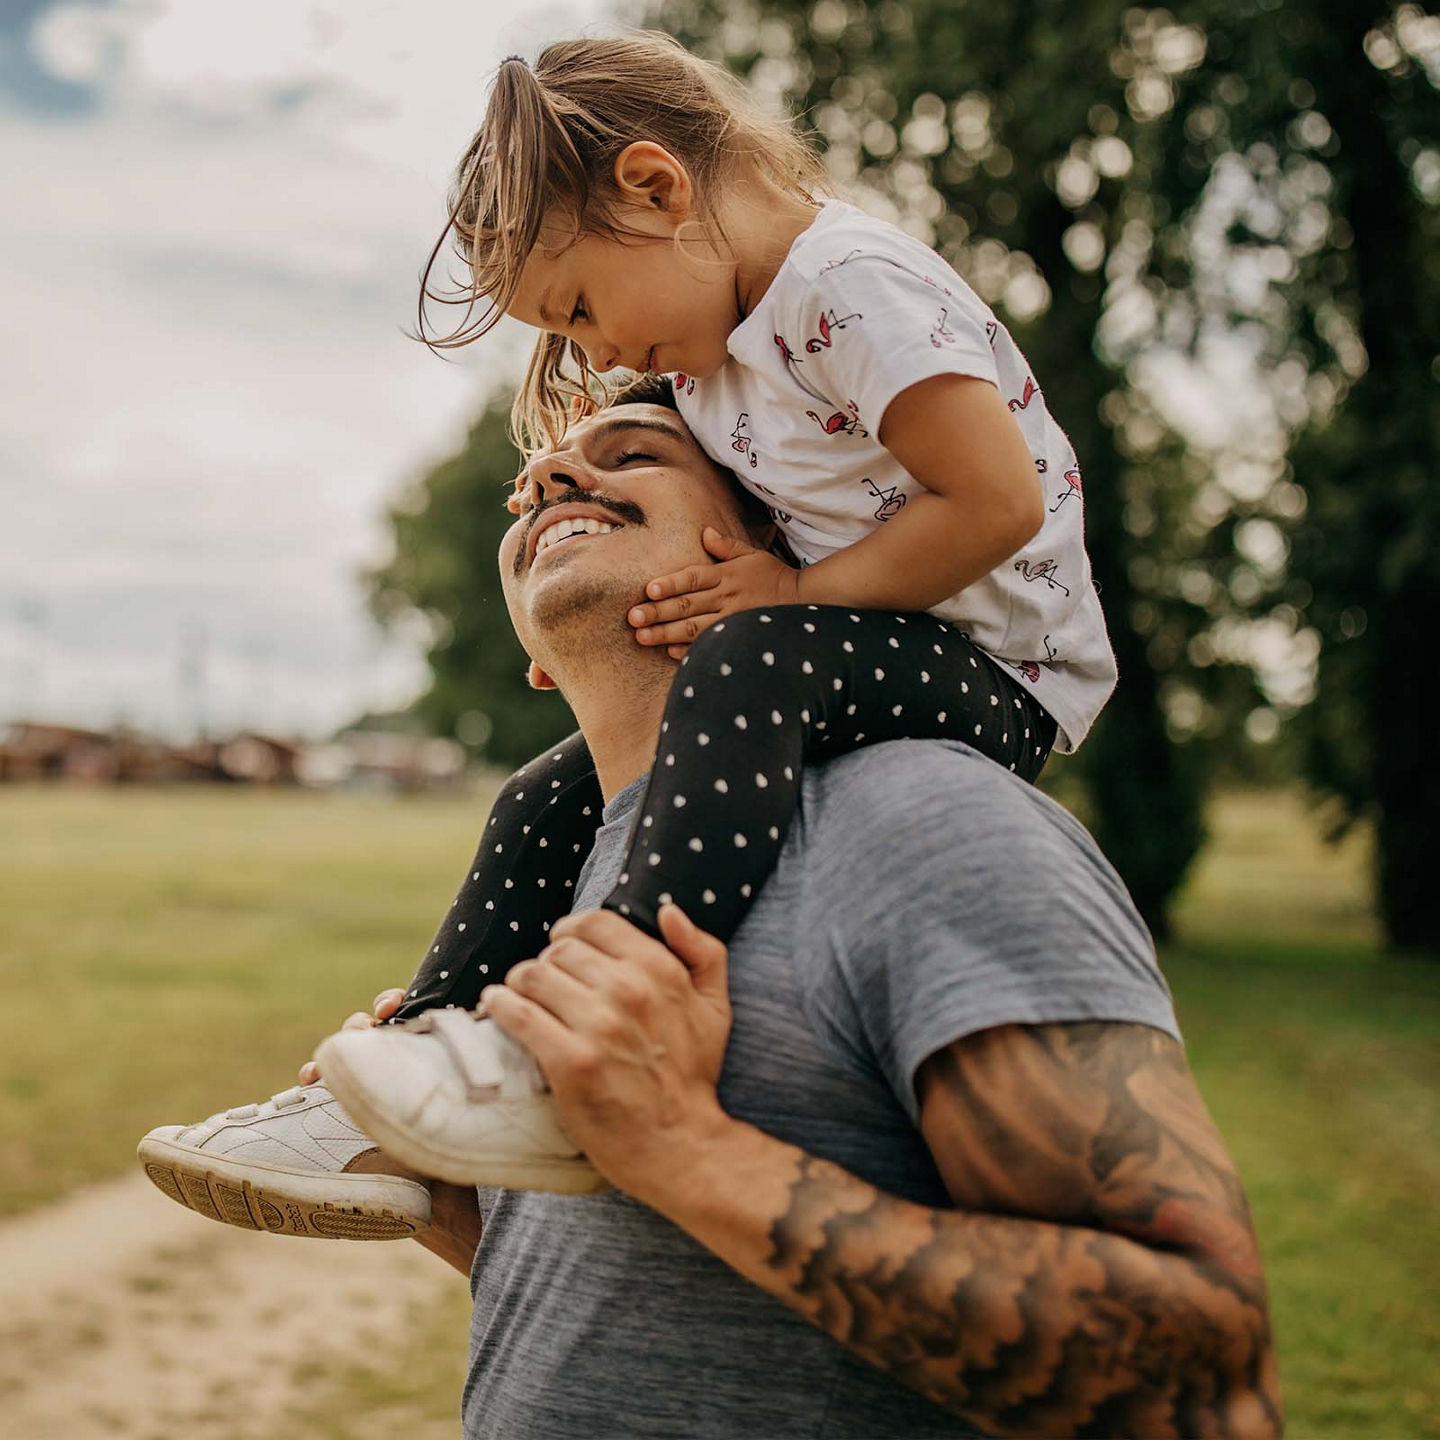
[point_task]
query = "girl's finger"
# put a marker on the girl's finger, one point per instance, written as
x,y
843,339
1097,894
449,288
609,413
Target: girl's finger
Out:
x,y
678,632
309,1073
724,547
682,582
704,602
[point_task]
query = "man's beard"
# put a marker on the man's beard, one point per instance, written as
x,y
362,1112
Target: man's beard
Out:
x,y
585,615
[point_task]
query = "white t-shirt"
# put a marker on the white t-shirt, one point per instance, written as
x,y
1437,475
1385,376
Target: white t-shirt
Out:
x,y
858,312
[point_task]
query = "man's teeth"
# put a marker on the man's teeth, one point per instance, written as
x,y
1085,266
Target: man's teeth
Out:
x,y
563,529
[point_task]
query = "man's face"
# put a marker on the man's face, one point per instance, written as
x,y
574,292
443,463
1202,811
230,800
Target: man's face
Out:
x,y
622,501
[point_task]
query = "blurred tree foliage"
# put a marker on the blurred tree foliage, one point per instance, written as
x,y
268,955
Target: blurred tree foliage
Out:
x,y
1157,206
447,529
1319,131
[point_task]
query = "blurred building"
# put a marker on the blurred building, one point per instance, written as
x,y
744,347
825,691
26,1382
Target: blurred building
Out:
x,y
385,760
358,759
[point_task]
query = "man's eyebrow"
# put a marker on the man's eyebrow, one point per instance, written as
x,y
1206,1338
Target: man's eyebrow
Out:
x,y
606,430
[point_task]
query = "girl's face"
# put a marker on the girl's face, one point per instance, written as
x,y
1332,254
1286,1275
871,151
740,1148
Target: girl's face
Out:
x,y
637,303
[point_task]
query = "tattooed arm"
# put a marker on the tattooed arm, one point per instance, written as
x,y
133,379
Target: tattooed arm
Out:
x,y
1098,1277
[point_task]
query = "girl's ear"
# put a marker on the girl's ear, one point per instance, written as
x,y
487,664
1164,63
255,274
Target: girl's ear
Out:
x,y
538,679
648,174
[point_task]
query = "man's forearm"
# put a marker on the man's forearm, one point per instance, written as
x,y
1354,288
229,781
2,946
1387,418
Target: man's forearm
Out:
x,y
1020,1327
454,1231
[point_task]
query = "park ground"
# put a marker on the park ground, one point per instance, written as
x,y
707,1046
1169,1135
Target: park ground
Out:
x,y
167,954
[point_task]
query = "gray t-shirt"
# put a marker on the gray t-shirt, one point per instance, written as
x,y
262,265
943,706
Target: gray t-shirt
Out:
x,y
923,894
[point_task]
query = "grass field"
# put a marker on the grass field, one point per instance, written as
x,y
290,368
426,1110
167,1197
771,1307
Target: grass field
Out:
x,y
166,954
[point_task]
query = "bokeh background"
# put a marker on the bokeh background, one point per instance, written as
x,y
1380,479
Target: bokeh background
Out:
x,y
256,679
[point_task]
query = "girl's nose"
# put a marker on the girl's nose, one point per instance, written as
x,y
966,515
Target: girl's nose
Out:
x,y
603,357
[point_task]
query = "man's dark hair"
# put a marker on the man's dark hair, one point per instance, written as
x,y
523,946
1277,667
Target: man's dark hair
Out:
x,y
650,389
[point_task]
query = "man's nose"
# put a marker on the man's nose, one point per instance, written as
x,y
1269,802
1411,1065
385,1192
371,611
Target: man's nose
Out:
x,y
551,477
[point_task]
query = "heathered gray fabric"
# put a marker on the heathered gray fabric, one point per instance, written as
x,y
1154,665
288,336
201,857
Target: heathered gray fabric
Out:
x,y
923,894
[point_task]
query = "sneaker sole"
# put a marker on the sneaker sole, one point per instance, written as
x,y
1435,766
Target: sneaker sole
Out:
x,y
557,1174
260,1197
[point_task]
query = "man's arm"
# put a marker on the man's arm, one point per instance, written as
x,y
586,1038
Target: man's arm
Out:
x,y
1100,1276
454,1233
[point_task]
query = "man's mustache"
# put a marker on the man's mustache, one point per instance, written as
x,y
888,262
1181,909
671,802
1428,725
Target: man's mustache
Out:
x,y
628,512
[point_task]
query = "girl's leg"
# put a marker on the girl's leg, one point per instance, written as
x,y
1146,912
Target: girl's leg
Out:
x,y
766,690
521,881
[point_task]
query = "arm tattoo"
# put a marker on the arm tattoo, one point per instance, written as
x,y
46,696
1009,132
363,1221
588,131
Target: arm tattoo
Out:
x,y
1100,1276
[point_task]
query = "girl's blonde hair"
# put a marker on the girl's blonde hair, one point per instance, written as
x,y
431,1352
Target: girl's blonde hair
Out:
x,y
547,148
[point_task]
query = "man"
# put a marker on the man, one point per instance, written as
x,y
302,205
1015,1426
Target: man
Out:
x,y
921,1156
935,1106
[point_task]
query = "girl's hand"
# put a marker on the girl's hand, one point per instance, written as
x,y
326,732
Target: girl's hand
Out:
x,y
690,601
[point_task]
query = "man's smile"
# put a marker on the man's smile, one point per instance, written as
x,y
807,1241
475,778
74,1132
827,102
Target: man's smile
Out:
x,y
563,529
554,524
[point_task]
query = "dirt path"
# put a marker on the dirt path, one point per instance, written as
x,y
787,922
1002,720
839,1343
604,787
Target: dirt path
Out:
x,y
123,1315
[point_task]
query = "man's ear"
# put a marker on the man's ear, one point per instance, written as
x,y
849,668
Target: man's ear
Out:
x,y
538,679
648,174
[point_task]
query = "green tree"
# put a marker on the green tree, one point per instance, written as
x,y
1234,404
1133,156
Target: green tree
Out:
x,y
1325,128
447,528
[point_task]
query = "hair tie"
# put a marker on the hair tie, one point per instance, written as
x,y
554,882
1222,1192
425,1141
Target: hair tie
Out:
x,y
520,59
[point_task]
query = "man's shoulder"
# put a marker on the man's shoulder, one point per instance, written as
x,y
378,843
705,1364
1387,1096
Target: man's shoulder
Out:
x,y
909,768
910,795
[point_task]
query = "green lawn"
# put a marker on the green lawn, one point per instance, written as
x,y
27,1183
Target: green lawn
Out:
x,y
170,953
167,954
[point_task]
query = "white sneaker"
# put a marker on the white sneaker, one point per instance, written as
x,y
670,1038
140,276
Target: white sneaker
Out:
x,y
455,1097
282,1167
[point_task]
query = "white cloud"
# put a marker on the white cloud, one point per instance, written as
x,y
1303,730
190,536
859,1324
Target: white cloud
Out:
x,y
208,392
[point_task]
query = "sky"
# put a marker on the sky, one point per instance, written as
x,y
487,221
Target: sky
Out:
x,y
214,220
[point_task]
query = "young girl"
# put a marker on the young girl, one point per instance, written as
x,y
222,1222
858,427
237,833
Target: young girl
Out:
x,y
633,203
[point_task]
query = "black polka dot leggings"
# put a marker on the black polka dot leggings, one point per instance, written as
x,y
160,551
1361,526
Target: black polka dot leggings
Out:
x,y
759,694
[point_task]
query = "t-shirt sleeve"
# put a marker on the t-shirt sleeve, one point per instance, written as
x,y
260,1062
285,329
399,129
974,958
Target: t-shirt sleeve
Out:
x,y
869,327
953,898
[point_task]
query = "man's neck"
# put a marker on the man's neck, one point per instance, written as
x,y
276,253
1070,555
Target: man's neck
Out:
x,y
619,711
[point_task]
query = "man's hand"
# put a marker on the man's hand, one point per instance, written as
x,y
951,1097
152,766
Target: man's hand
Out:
x,y
386,1003
631,1037
682,606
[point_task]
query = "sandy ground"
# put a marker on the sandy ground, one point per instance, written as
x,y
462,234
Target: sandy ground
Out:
x,y
125,1315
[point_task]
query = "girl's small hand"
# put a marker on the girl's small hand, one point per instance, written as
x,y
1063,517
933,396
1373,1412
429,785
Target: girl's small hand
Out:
x,y
682,606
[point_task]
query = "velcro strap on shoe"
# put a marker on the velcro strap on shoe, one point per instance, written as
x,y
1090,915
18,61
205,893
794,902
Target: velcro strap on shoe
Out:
x,y
469,1046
